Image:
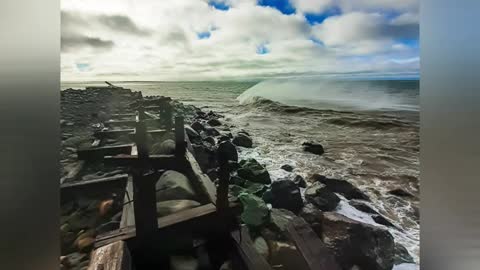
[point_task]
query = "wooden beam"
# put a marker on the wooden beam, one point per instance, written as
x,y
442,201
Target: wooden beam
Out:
x,y
201,181
94,181
128,215
180,144
93,188
113,134
250,256
100,152
114,256
316,254
160,162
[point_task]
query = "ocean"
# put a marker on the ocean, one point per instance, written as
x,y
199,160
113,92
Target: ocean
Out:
x,y
369,129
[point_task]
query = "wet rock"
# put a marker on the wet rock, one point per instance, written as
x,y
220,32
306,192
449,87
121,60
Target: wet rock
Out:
x,y
209,140
319,195
313,217
166,147
173,185
312,147
300,181
235,180
192,134
382,220
226,150
210,131
401,193
286,195
242,140
287,256
362,207
280,218
287,168
105,207
205,156
223,138
197,126
214,122
402,255
261,246
356,243
341,186
255,211
169,207
253,171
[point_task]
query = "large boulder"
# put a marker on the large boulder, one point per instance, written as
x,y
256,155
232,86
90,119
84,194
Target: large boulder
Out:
x,y
286,195
242,140
362,207
197,126
205,156
173,185
319,195
169,207
255,211
312,147
214,122
287,167
227,150
341,186
253,171
402,255
210,131
356,243
166,147
401,193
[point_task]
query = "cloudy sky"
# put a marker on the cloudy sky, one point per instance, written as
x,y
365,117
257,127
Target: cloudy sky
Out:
x,y
238,39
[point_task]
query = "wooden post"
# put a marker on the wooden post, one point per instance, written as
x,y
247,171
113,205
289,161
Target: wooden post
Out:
x,y
145,207
179,137
141,139
223,177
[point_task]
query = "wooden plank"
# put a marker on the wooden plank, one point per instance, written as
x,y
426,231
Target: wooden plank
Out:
x,y
180,144
202,220
115,133
114,256
92,182
200,180
128,215
160,162
112,123
244,247
100,152
316,254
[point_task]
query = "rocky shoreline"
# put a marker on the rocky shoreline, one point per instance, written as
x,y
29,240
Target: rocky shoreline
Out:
x,y
268,204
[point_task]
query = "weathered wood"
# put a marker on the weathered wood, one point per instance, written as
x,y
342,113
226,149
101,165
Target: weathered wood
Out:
x,y
116,133
128,215
250,256
93,188
114,256
131,122
316,254
92,182
201,181
145,204
160,162
201,221
180,145
100,152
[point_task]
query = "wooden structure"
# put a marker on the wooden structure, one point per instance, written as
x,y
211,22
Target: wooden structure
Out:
x,y
144,241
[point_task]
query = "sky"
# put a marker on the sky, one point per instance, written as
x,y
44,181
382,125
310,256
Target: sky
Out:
x,y
177,40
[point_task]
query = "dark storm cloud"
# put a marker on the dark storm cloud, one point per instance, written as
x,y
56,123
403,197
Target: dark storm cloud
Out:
x,y
122,23
72,41
407,31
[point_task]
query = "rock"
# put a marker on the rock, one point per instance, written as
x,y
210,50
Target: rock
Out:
x,y
362,207
192,134
313,147
242,140
166,147
109,226
235,180
255,188
341,186
105,207
198,127
286,195
251,170
81,220
73,259
255,211
287,168
382,220
402,255
287,256
183,263
280,218
223,138
209,140
323,198
261,246
214,122
242,131
205,156
356,243
226,266
169,207
227,151
401,193
267,196
173,185
313,217
85,244
299,181
210,131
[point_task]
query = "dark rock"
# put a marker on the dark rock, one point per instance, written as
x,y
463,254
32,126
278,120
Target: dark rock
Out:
x,y
213,174
73,259
173,185
280,218
313,147
166,147
198,127
223,138
233,165
268,196
287,168
165,208
242,140
227,151
210,131
286,195
209,140
205,156
299,181
235,180
313,217
109,226
362,207
244,132
253,171
341,186
322,197
192,134
214,122
401,193
402,255
382,220
356,243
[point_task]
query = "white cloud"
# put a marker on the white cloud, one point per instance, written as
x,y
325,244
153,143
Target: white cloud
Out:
x,y
311,6
157,40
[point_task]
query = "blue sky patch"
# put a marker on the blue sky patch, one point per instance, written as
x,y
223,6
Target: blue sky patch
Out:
x,y
218,5
262,49
317,41
283,6
412,43
203,35
319,18
83,66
